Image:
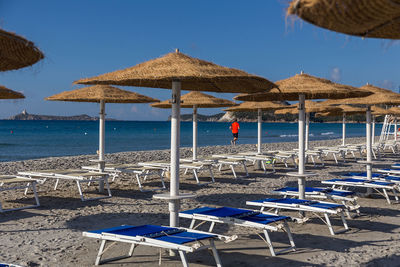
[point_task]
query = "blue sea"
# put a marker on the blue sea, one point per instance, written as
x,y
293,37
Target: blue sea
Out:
x,y
20,140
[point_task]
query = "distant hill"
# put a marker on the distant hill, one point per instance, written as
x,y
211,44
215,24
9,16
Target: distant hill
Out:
x,y
25,116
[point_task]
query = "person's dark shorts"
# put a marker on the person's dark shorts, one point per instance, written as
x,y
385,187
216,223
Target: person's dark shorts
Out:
x,y
235,135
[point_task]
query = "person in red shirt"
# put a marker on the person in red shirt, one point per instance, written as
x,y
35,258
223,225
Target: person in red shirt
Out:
x,y
235,131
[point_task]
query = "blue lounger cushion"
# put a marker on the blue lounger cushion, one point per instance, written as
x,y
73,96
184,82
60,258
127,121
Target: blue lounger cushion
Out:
x,y
392,178
310,203
243,214
361,174
328,191
168,234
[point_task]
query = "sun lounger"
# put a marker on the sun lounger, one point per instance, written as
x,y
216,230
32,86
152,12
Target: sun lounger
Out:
x,y
396,166
79,176
264,159
362,175
231,160
389,171
13,183
347,198
302,205
195,167
140,172
284,156
364,183
179,239
334,151
242,217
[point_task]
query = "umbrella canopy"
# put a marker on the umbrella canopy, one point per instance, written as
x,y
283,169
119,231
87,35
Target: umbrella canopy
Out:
x,y
374,99
101,94
377,111
194,75
16,52
6,93
370,18
254,106
97,93
309,86
197,99
342,109
391,111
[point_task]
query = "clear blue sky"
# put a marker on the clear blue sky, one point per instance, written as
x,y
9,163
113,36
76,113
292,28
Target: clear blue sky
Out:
x,y
82,38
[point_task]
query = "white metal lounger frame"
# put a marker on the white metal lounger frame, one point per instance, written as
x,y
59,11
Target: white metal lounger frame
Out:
x,y
42,177
138,171
263,159
303,208
349,202
147,241
231,161
28,185
196,168
237,221
345,185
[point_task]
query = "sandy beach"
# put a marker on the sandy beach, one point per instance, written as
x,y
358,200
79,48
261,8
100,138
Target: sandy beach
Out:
x,y
51,235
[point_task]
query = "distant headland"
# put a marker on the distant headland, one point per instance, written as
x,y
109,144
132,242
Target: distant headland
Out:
x,y
25,116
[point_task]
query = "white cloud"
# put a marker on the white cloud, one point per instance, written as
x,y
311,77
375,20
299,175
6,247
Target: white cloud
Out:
x,y
336,74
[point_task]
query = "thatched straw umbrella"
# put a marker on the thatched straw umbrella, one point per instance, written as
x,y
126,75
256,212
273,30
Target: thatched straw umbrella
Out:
x,y
370,18
311,107
16,52
101,94
303,86
379,97
6,93
259,107
343,111
173,71
196,100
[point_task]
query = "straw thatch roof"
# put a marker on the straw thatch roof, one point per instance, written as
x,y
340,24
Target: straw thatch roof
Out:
x,y
194,74
343,109
378,111
16,52
6,93
310,106
198,99
385,97
254,106
96,93
366,18
312,87
391,111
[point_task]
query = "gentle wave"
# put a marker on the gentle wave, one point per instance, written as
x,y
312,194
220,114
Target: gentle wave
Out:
x,y
288,135
327,133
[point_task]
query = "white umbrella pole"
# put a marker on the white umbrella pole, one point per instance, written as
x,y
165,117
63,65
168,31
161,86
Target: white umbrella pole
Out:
x,y
174,171
307,129
373,129
344,130
395,128
259,130
195,132
369,143
301,179
102,115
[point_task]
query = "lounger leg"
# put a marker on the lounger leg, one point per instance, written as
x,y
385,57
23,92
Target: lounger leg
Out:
x,y
211,227
334,156
313,161
183,258
211,174
192,224
138,181
395,195
215,253
161,173
346,227
35,194
269,243
245,169
289,233
131,250
185,172
220,167
26,189
100,253
233,171
386,196
56,184
328,222
80,190
196,176
107,186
